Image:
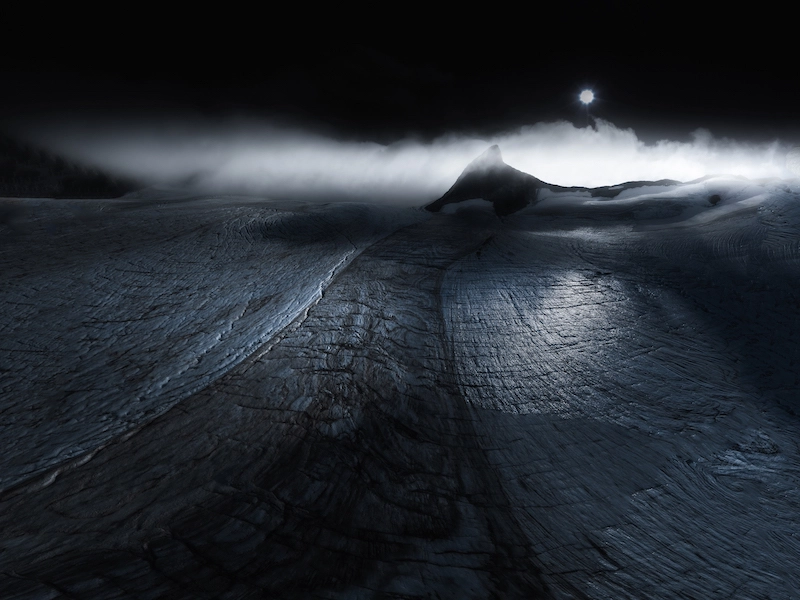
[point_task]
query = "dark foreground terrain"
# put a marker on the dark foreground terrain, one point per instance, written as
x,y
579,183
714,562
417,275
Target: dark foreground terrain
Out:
x,y
222,398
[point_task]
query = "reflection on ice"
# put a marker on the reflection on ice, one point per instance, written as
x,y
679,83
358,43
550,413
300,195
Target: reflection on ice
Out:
x,y
550,327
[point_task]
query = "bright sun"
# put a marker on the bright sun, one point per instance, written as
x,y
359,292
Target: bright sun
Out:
x,y
587,96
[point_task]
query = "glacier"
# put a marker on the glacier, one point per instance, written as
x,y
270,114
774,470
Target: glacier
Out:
x,y
594,396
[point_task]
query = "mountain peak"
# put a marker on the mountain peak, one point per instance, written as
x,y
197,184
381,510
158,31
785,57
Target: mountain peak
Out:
x,y
489,178
491,158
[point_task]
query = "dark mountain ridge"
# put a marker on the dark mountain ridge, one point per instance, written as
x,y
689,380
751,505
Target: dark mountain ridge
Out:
x,y
488,177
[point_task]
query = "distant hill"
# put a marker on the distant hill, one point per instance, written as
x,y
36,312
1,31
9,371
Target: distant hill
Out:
x,y
510,190
27,171
488,177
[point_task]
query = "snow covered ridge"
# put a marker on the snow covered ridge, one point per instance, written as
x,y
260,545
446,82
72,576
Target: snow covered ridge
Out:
x,y
113,311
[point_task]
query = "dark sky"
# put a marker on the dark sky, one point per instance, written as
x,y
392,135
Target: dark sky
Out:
x,y
664,71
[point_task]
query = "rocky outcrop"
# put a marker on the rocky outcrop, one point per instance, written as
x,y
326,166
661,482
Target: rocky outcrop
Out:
x,y
491,179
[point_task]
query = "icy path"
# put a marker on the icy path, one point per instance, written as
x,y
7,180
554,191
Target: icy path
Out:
x,y
113,312
595,399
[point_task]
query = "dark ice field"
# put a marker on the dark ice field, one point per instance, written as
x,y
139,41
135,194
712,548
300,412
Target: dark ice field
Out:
x,y
223,397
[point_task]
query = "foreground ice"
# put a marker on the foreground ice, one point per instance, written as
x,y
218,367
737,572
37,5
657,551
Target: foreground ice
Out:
x,y
591,398
114,311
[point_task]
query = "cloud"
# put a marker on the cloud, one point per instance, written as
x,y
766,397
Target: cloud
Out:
x,y
606,154
245,155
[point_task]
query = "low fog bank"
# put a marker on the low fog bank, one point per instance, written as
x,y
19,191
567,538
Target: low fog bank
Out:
x,y
241,155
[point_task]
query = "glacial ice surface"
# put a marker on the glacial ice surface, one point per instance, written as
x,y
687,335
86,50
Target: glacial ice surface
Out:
x,y
218,397
114,311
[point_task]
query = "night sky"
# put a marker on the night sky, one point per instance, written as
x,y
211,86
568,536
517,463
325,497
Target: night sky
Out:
x,y
276,102
663,71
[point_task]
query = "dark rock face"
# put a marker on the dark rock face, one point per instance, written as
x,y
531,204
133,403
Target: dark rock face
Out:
x,y
488,177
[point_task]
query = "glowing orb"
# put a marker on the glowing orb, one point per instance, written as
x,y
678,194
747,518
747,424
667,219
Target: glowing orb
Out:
x,y
587,96
793,160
